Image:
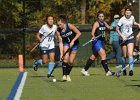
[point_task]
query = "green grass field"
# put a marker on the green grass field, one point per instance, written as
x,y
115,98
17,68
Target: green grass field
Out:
x,y
95,87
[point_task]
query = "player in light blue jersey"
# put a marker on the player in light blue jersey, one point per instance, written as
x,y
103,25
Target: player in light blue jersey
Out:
x,y
124,28
47,47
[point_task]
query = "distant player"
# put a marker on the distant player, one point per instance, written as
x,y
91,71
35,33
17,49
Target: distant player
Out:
x,y
124,29
115,42
98,28
70,35
137,41
47,46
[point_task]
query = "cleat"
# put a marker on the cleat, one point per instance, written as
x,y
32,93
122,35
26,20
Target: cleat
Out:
x,y
64,78
68,78
109,73
124,73
35,67
130,73
50,75
85,73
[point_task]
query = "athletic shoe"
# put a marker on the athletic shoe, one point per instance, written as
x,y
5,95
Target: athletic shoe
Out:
x,y
85,73
50,75
64,78
130,73
109,73
35,67
118,66
124,73
68,78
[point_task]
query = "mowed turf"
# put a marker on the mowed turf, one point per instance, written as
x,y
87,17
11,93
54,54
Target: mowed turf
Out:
x,y
8,77
95,87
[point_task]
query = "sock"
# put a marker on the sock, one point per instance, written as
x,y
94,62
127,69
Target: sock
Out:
x,y
105,66
69,68
123,62
64,68
131,60
50,67
88,64
38,62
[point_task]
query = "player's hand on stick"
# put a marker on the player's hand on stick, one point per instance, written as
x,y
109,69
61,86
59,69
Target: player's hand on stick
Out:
x,y
123,38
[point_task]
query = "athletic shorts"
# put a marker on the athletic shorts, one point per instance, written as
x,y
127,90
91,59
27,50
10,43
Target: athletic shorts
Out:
x,y
47,51
73,48
127,41
97,45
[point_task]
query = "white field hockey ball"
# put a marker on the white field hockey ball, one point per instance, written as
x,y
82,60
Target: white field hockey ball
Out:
x,y
54,80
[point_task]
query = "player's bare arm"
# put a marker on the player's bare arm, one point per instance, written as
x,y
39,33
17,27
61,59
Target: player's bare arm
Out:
x,y
78,33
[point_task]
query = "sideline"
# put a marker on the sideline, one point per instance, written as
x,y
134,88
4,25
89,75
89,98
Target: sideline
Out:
x,y
16,91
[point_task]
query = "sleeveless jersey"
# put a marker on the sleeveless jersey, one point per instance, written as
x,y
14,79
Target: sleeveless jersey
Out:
x,y
48,42
68,35
101,29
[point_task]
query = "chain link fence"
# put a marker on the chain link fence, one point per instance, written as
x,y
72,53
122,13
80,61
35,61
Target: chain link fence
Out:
x,y
12,44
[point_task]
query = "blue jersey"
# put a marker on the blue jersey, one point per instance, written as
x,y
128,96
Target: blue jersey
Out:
x,y
68,35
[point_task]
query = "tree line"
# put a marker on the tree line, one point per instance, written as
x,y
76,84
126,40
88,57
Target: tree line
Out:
x,y
77,12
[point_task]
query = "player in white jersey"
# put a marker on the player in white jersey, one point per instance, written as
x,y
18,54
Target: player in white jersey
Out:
x,y
124,29
47,47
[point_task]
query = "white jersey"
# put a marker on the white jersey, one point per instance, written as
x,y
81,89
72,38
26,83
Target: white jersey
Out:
x,y
48,42
126,26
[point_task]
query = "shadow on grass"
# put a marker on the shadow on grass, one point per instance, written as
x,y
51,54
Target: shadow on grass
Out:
x,y
134,85
135,80
38,76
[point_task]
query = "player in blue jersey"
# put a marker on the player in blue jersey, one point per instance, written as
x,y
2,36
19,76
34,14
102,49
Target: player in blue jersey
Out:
x,y
98,28
70,35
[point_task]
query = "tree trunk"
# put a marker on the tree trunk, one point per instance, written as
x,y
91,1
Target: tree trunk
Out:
x,y
83,11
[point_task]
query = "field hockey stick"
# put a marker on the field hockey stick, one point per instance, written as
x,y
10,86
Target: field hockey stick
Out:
x,y
91,40
59,62
126,39
120,71
40,42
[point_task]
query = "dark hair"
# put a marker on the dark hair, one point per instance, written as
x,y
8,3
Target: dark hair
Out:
x,y
62,18
128,8
47,16
100,12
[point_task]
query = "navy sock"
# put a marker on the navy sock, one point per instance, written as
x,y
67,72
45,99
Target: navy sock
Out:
x,y
69,68
64,68
88,64
105,66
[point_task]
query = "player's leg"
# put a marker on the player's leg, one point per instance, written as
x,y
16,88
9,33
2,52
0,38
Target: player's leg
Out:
x,y
51,64
71,60
136,41
124,51
39,61
65,62
88,64
99,47
118,53
130,48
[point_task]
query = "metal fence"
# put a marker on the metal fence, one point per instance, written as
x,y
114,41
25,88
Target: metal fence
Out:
x,y
20,41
